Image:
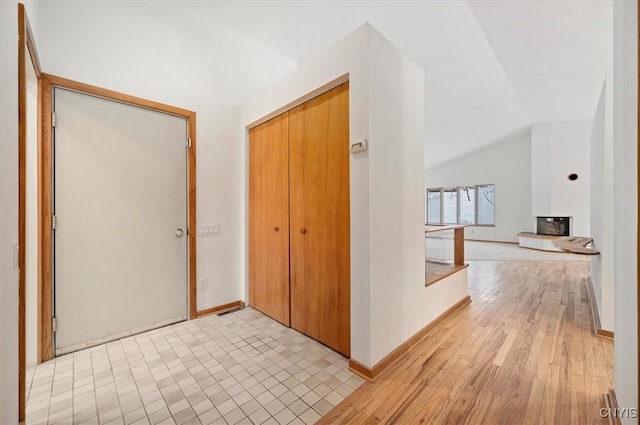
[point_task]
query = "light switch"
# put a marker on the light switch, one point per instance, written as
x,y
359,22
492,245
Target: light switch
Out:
x,y
358,146
207,230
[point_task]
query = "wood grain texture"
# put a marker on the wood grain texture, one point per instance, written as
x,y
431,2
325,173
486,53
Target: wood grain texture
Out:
x,y
371,373
31,47
45,235
605,333
22,211
458,246
576,245
521,353
118,96
450,269
302,99
432,228
269,218
221,308
191,215
320,219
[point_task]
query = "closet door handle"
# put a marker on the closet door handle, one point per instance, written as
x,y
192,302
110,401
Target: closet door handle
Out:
x,y
303,231
276,228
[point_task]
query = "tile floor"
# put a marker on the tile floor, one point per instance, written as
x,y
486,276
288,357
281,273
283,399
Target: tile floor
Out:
x,y
239,368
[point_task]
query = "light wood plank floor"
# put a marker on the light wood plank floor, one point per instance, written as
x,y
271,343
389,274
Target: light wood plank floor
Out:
x,y
522,353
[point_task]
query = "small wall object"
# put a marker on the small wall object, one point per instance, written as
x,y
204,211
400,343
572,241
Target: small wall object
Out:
x,y
573,177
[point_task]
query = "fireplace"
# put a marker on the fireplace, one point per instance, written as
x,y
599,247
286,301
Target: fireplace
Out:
x,y
552,226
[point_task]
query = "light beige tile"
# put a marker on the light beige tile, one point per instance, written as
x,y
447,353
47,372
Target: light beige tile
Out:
x,y
259,416
134,416
209,416
226,407
334,398
309,417
159,416
235,416
184,416
178,406
298,407
285,416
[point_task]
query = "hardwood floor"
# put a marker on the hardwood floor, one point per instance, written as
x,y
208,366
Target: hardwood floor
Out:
x,y
523,352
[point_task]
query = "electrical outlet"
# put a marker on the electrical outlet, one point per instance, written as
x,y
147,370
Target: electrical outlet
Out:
x,y
204,282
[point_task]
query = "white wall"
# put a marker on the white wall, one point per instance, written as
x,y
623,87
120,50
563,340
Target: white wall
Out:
x,y
389,301
625,223
507,164
8,212
167,52
400,303
557,150
601,266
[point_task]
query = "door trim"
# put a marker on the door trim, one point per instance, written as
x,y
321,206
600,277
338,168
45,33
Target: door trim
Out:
x,y
46,179
26,45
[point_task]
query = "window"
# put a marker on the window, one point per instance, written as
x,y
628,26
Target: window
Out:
x,y
486,204
433,206
467,205
470,205
450,205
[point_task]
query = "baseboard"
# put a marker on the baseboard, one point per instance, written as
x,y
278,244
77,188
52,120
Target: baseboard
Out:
x,y
369,374
611,403
236,305
593,308
605,333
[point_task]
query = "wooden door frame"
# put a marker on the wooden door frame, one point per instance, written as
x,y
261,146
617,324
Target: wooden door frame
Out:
x,y
49,82
26,45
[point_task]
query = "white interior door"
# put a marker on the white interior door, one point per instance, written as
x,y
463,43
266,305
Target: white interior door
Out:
x,y
120,202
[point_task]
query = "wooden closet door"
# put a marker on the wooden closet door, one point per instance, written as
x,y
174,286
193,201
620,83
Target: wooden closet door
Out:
x,y
269,218
319,211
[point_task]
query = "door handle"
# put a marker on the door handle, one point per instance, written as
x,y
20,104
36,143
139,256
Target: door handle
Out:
x,y
179,233
303,231
276,228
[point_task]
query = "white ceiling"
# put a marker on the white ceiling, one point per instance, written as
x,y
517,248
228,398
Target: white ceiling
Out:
x,y
491,67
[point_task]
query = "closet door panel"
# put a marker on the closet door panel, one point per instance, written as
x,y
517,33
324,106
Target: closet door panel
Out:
x,y
319,218
269,218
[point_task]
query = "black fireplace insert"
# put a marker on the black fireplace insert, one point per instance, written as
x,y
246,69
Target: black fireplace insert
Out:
x,y
553,226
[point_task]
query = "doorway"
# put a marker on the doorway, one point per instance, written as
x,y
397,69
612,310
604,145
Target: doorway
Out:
x,y
299,218
146,183
120,219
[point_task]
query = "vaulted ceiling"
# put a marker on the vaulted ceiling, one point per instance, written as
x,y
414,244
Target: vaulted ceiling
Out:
x,y
491,67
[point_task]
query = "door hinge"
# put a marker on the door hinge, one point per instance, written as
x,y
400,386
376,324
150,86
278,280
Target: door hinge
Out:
x,y
53,119
189,142
53,222
54,324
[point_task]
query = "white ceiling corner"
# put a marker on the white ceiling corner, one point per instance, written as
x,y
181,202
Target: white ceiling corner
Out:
x,y
491,66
